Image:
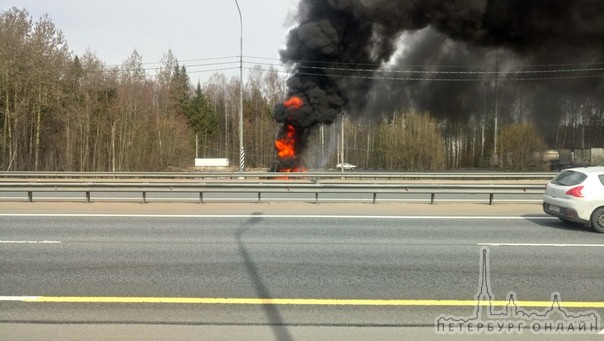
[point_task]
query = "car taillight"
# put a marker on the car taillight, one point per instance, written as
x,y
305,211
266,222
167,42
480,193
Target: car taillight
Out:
x,y
575,192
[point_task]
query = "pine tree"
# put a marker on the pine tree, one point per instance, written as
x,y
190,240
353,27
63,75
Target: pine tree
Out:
x,y
202,117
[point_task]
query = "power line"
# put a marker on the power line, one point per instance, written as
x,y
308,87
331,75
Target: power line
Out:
x,y
485,72
381,74
227,63
376,76
379,65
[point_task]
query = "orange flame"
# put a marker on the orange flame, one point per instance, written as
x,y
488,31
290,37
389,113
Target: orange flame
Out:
x,y
290,170
294,102
286,146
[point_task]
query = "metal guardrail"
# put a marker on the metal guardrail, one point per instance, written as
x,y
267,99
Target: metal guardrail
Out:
x,y
273,175
290,187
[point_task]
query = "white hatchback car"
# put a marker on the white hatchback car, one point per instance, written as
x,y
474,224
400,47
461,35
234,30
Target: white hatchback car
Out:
x,y
577,195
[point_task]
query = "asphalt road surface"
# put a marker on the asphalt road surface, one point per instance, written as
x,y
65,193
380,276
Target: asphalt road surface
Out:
x,y
291,276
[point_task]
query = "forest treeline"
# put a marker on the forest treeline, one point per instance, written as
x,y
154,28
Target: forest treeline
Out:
x,y
65,112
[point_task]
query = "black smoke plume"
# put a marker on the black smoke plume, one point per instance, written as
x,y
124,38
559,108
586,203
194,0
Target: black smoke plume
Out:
x,y
364,57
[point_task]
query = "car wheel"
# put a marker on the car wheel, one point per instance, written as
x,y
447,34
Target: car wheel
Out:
x,y
597,220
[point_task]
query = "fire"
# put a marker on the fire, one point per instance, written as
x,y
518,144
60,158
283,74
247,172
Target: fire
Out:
x,y
291,170
294,102
286,145
286,149
287,142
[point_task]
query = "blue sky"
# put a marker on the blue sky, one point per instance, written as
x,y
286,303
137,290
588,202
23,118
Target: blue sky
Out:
x,y
193,30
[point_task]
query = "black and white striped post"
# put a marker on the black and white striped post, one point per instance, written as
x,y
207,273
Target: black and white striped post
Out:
x,y
242,159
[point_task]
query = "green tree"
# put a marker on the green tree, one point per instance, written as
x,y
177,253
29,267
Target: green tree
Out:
x,y
202,118
180,90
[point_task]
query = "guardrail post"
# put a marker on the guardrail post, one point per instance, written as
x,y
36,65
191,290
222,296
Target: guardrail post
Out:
x,y
201,197
87,196
316,197
374,197
30,196
432,195
491,195
259,196
144,197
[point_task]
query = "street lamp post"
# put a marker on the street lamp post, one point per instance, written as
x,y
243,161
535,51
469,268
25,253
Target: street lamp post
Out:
x,y
241,149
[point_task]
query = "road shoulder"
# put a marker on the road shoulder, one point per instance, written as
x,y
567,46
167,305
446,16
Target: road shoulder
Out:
x,y
285,208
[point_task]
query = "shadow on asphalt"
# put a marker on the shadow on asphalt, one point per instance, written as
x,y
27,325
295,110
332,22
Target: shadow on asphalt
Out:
x,y
558,224
272,313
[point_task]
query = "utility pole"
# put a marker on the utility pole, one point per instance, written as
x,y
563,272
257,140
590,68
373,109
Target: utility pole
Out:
x,y
241,150
342,136
322,142
495,159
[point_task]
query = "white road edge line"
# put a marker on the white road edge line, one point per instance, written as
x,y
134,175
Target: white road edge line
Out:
x,y
540,245
30,242
285,216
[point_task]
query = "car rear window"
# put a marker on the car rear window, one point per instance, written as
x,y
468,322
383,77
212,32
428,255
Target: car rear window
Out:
x,y
569,178
601,176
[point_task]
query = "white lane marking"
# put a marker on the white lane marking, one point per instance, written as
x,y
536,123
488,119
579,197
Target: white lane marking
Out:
x,y
30,242
18,298
285,216
540,245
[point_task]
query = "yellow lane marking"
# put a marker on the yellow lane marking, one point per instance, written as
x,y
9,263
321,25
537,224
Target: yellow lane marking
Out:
x,y
294,301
